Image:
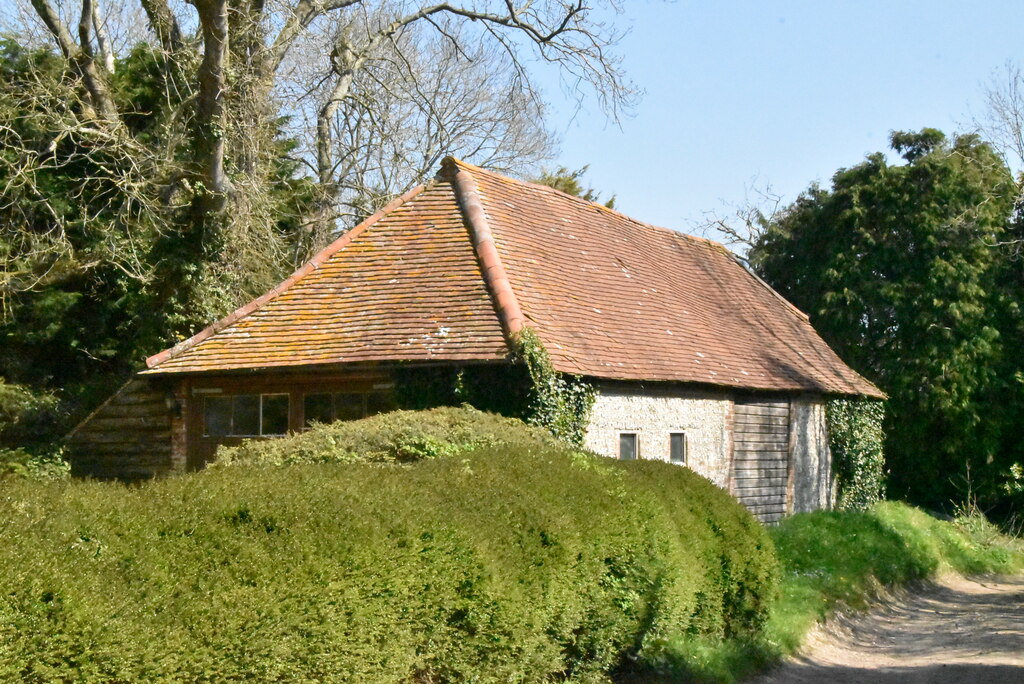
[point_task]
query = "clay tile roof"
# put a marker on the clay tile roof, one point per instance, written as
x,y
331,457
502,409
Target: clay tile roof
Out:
x,y
402,286
451,271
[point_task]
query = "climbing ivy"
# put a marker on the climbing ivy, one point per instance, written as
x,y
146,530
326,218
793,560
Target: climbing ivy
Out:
x,y
858,458
557,401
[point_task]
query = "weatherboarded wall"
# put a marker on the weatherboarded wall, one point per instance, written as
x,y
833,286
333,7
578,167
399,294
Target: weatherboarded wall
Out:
x,y
653,413
812,461
128,437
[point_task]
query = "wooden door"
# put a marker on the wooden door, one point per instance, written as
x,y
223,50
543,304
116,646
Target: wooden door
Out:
x,y
761,464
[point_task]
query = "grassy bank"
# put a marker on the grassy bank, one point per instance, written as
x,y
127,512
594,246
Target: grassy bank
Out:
x,y
841,560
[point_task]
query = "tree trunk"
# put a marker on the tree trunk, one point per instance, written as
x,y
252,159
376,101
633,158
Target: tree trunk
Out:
x,y
208,132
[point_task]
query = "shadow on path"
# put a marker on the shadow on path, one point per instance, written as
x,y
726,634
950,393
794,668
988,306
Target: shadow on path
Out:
x,y
958,630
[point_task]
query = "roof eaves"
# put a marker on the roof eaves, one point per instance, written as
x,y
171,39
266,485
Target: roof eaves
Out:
x,y
864,387
505,302
261,301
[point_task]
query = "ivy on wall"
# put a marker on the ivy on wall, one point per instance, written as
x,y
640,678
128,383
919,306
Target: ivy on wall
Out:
x,y
858,457
559,402
529,389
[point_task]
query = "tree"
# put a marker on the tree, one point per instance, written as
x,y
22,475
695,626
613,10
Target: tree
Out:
x,y
747,222
1003,124
221,64
571,183
162,163
896,267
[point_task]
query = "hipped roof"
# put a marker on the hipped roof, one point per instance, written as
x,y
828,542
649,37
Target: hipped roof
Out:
x,y
453,270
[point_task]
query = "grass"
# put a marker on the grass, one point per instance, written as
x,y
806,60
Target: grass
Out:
x,y
841,560
835,561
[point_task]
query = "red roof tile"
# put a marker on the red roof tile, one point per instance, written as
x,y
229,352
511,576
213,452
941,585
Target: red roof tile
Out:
x,y
402,286
609,297
612,297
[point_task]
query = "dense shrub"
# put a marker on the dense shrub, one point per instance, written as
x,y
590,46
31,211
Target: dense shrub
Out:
x,y
25,415
507,562
397,437
26,419
43,466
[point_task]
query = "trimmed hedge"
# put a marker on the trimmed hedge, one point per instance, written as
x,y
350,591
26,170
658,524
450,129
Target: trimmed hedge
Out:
x,y
509,562
396,437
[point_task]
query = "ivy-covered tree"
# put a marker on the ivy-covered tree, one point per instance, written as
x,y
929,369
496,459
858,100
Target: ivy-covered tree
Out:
x,y
88,257
162,162
898,266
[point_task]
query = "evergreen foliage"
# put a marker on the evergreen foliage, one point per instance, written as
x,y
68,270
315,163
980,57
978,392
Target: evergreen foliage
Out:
x,y
94,275
396,437
900,269
509,562
571,183
857,443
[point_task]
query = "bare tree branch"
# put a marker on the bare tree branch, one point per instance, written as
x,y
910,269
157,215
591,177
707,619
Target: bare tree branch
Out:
x,y
102,38
164,24
101,104
744,224
210,102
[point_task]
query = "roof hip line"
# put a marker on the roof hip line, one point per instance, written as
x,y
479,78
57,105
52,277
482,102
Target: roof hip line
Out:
x,y
507,305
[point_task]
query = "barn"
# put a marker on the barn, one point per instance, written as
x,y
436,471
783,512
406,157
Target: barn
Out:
x,y
691,358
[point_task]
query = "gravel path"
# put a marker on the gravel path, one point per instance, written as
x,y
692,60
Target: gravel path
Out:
x,y
957,630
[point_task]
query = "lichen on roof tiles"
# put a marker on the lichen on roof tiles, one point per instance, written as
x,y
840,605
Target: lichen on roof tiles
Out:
x,y
609,296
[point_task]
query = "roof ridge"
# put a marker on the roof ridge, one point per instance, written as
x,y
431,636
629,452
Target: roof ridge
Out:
x,y
506,304
304,270
460,164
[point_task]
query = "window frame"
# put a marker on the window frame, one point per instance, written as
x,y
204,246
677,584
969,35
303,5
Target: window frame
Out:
x,y
385,398
685,447
636,444
233,398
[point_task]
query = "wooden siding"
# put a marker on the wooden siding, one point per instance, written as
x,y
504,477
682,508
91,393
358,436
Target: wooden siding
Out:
x,y
128,437
761,464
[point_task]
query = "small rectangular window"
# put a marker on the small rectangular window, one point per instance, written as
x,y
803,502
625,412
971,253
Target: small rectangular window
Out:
x,y
246,419
677,447
245,415
327,408
318,408
349,406
627,446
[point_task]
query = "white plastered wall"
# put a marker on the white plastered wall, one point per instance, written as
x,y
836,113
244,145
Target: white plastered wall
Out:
x,y
654,413
811,459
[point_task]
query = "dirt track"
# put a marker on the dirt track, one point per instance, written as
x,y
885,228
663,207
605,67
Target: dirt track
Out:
x,y
958,630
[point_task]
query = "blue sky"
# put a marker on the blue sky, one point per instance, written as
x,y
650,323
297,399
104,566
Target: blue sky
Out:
x,y
784,92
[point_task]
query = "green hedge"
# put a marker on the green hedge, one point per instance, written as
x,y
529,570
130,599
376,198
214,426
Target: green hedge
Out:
x,y
509,562
396,437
